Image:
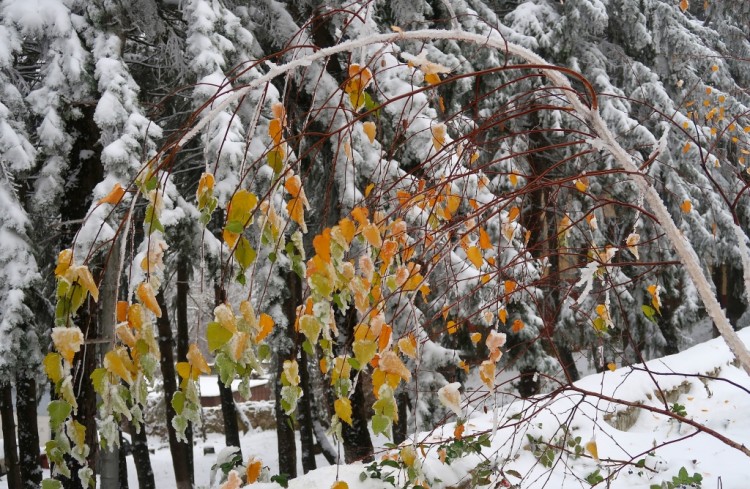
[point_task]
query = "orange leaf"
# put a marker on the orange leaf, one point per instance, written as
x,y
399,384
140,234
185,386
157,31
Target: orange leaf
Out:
x,y
266,326
390,363
510,286
114,196
452,327
253,470
686,206
475,256
385,337
517,326
346,226
503,315
122,311
684,5
484,239
432,78
322,245
295,208
135,316
513,214
275,130
148,298
360,215
340,485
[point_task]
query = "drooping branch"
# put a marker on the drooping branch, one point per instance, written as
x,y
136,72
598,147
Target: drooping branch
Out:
x,y
605,141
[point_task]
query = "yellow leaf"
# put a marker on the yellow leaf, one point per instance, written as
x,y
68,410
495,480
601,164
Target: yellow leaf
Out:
x,y
67,341
205,186
147,297
438,136
184,371
408,346
87,281
475,256
369,129
654,290
64,261
115,365
582,184
612,366
242,203
513,179
252,472
53,366
342,484
408,455
592,449
372,235
125,334
343,408
452,203
196,360
135,316
390,363
476,337
278,111
114,196
487,374
266,324
452,327
347,229
686,206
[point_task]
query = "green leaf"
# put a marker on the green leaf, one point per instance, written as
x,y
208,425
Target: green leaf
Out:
x,y
514,473
649,312
99,380
178,402
275,161
217,336
235,227
152,183
264,352
58,413
244,253
380,424
51,484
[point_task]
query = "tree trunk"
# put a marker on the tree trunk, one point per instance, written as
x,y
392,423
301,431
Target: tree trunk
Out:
x,y
285,348
181,452
123,464
28,432
9,436
228,409
400,427
305,417
184,270
229,412
357,441
142,458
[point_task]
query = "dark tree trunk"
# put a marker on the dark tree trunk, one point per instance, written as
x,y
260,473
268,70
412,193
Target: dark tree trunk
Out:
x,y
28,432
181,452
85,362
357,441
9,436
122,462
285,350
229,412
183,336
142,458
228,409
400,427
305,417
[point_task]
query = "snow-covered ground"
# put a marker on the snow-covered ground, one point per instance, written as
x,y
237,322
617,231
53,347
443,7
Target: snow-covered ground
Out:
x,y
649,449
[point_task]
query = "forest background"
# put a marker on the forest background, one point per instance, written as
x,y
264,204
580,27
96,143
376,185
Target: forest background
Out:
x,y
373,201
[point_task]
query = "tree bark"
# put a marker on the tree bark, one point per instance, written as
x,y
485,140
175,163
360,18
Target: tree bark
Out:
x,y
285,348
142,458
184,270
28,432
228,409
181,452
357,441
400,426
9,436
122,462
305,417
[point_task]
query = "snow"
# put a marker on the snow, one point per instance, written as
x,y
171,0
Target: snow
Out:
x,y
209,386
